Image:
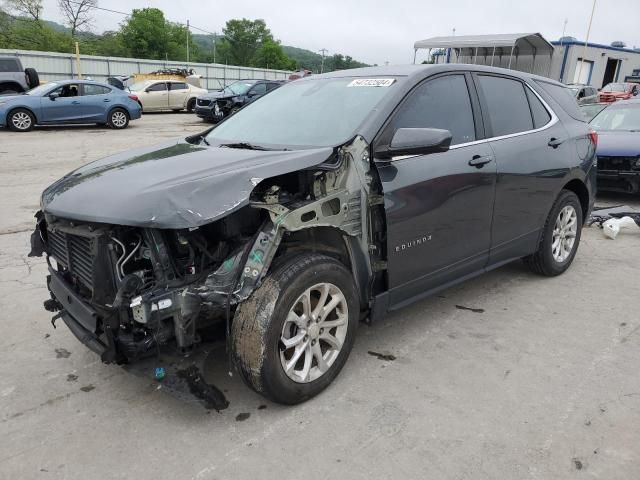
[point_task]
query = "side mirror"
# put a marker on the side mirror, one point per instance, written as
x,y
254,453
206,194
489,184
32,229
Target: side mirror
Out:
x,y
416,141
54,95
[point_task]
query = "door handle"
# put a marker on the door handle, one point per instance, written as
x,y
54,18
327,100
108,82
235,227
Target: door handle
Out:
x,y
106,100
479,161
75,102
555,142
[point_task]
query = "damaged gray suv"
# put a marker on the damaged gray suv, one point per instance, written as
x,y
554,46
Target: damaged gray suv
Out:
x,y
336,198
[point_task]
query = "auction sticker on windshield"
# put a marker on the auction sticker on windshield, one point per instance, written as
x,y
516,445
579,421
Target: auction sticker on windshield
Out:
x,y
372,82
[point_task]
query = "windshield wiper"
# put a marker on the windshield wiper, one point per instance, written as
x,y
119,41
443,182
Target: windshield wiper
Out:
x,y
244,146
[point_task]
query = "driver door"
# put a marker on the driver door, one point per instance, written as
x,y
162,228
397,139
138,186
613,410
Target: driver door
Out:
x,y
66,107
438,206
156,97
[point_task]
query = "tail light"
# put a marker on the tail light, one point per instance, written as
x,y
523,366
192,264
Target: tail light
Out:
x,y
133,97
593,136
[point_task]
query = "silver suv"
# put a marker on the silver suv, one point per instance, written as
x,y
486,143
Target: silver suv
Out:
x,y
15,79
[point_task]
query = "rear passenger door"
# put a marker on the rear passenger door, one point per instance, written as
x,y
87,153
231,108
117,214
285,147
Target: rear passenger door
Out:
x,y
438,206
178,93
95,102
531,147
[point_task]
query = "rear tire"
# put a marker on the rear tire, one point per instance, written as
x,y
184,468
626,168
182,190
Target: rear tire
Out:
x,y
118,118
560,237
275,313
21,120
8,92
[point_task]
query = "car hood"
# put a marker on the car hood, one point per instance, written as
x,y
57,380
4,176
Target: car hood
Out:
x,y
612,143
172,185
211,95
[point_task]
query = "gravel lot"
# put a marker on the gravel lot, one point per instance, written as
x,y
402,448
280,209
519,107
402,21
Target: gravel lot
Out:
x,y
541,381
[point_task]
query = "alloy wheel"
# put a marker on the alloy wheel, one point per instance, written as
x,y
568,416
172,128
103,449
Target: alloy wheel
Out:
x,y
564,234
314,332
21,120
119,119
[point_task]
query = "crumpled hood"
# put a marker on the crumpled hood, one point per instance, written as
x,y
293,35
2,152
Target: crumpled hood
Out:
x,y
612,143
212,95
172,185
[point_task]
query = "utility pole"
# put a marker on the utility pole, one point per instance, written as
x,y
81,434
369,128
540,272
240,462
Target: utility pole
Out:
x,y
564,30
586,40
324,51
187,41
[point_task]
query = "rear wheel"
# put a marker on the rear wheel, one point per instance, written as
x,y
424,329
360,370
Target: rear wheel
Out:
x,y
21,120
291,338
118,118
560,237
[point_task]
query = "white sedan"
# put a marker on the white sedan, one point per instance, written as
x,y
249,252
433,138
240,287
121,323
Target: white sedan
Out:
x,y
157,95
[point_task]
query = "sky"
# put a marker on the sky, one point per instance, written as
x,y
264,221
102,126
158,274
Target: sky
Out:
x,y
375,31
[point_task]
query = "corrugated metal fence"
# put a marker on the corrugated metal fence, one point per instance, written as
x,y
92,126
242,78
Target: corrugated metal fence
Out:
x,y
58,66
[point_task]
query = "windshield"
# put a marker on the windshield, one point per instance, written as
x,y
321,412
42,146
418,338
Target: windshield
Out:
x,y
615,87
136,87
238,88
314,113
619,118
42,89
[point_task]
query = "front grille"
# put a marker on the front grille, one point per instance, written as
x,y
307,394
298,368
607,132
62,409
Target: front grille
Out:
x,y
73,252
203,103
617,163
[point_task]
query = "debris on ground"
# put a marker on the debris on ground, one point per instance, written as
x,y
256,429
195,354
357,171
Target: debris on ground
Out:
x,y
612,219
474,310
382,356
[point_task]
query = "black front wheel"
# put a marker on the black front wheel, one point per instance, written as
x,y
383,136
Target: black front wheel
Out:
x,y
191,105
292,337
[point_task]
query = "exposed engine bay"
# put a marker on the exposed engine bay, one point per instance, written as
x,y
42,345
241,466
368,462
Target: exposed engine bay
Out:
x,y
128,291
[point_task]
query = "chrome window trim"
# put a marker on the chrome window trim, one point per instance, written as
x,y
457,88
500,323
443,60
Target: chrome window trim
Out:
x,y
549,124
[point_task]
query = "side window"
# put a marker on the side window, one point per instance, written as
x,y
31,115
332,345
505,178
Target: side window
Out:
x,y
178,86
9,65
158,87
440,103
540,114
563,96
71,90
259,89
90,89
507,105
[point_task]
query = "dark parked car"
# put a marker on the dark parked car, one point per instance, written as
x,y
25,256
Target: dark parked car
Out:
x,y
618,128
335,198
69,101
216,106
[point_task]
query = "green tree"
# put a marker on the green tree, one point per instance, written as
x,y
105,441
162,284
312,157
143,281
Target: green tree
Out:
x,y
271,55
31,9
244,37
144,34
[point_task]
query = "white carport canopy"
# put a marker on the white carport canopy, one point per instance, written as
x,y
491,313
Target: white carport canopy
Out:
x,y
510,50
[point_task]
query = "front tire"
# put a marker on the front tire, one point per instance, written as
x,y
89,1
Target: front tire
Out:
x,y
191,105
292,337
560,237
21,120
118,119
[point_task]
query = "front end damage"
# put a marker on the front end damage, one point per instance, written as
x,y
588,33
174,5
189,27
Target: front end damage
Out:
x,y
130,292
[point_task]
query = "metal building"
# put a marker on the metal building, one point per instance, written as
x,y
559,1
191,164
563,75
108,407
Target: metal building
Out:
x,y
602,63
531,52
527,52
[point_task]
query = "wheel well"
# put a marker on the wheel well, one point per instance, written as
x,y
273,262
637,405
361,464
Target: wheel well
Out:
x,y
20,108
11,86
580,189
118,107
325,240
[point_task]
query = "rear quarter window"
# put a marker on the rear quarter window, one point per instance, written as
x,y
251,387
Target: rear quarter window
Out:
x,y
563,97
506,99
